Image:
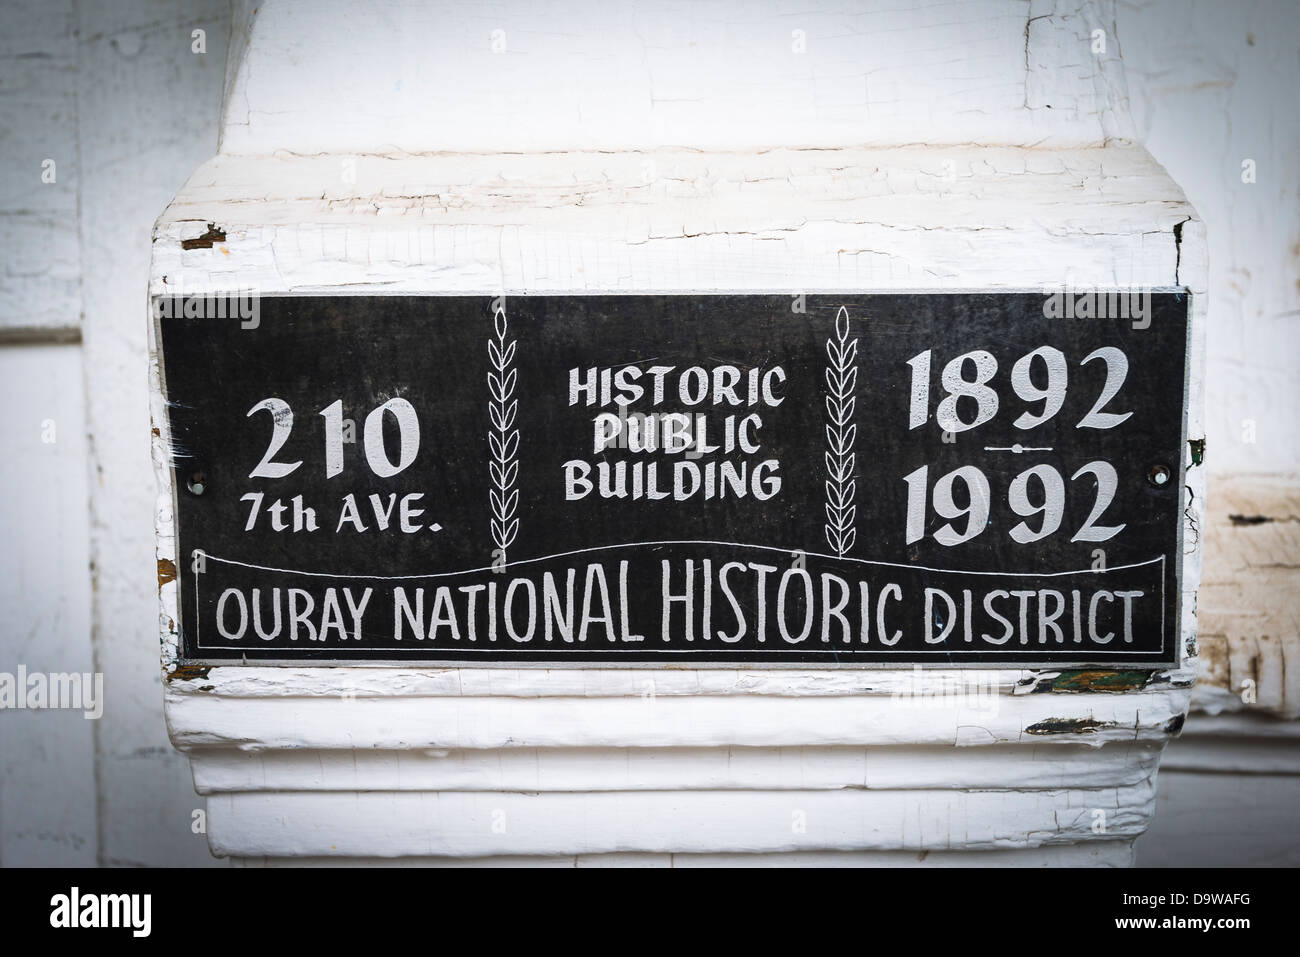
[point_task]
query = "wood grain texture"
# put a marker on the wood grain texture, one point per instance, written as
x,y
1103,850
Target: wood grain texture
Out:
x,y
1249,606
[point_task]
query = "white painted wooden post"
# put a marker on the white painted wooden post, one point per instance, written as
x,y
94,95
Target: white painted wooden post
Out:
x,y
642,146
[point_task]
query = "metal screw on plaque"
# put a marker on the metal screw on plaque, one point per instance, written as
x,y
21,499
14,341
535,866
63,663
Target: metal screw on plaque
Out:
x,y
1159,475
196,482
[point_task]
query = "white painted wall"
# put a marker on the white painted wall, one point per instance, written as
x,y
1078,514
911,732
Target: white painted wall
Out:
x,y
112,93
719,74
1210,86
1046,194
48,811
41,272
116,91
147,104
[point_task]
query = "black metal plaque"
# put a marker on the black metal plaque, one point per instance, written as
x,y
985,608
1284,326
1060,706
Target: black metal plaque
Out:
x,y
945,479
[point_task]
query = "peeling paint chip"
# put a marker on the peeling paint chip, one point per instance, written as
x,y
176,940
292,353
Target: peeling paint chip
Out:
x,y
1250,519
1112,682
1067,726
187,673
166,571
213,235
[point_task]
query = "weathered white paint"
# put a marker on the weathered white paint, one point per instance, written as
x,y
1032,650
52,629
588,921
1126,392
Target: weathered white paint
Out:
x,y
489,823
46,601
114,96
1207,82
1050,765
40,288
1092,854
562,184
148,100
712,75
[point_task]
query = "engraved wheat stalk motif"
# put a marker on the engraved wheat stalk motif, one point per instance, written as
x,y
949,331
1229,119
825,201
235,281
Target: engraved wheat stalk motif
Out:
x,y
503,439
841,380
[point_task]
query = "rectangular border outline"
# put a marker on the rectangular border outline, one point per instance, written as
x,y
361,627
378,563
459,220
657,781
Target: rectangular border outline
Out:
x,y
1183,292
704,646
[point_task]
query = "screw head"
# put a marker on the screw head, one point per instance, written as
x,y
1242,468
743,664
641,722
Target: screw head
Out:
x,y
196,483
1160,475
